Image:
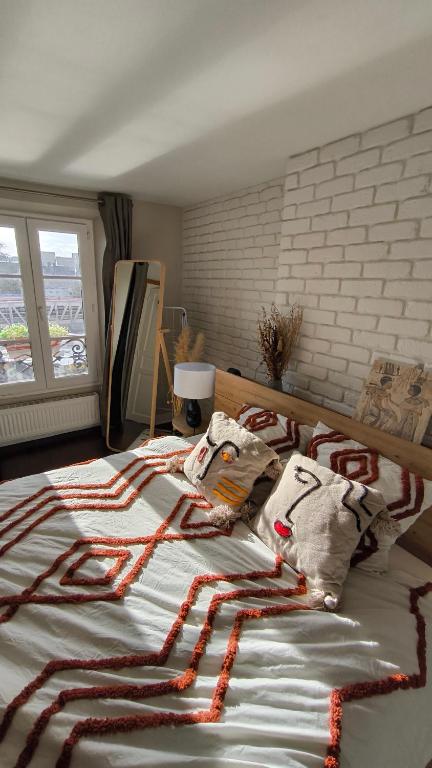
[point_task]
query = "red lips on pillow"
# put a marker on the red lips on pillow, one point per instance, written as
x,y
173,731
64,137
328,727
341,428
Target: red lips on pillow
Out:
x,y
282,530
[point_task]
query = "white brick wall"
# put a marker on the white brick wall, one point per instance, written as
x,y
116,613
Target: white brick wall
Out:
x,y
231,267
348,234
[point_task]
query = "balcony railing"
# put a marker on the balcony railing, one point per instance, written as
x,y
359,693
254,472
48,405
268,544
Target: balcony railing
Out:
x,y
12,310
69,357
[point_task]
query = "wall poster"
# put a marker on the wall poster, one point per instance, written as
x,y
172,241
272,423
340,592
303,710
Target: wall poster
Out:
x,y
397,398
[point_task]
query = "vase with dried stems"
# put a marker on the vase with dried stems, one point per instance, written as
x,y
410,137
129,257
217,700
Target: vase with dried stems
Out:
x,y
186,351
278,335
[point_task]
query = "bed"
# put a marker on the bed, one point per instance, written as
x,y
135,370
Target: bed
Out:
x,y
133,633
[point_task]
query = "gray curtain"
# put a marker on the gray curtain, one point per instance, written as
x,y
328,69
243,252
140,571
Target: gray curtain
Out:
x,y
116,214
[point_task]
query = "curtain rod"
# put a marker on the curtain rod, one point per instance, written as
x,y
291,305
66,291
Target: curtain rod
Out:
x,y
51,194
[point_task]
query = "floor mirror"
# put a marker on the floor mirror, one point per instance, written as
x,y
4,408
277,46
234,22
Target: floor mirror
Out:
x,y
135,352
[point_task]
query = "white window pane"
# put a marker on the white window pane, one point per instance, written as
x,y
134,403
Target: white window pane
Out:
x,y
64,306
16,362
9,261
65,313
69,357
12,304
59,253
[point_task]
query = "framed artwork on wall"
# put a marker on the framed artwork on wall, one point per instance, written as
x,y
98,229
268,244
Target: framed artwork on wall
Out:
x,y
397,398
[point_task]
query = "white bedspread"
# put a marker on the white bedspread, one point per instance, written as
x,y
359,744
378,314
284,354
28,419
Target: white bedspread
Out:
x,y
184,646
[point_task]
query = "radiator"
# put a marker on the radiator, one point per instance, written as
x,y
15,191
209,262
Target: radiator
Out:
x,y
19,423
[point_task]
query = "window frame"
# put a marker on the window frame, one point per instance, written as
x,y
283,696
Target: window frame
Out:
x,y
26,277
26,229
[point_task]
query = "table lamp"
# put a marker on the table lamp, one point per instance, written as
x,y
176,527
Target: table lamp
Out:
x,y
193,382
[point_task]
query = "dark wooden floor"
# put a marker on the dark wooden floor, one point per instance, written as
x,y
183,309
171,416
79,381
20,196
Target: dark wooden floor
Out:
x,y
122,438
51,453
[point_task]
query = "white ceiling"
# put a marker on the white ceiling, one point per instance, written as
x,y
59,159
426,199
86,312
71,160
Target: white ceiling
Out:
x,y
177,101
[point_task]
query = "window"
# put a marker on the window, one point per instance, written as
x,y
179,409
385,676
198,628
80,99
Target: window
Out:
x,y
48,307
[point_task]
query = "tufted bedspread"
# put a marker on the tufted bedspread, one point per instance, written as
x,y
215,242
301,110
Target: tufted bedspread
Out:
x,y
134,634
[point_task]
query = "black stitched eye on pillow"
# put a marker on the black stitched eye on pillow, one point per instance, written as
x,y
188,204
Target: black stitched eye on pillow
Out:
x,y
314,518
226,462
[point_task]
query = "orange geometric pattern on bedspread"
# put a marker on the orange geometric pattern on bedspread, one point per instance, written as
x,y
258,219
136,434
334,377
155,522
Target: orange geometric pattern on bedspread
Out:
x,y
119,555
401,681
100,725
158,466
177,684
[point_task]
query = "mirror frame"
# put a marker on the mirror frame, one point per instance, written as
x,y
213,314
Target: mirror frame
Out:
x,y
158,348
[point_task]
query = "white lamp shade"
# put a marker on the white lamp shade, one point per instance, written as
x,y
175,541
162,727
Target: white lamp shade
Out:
x,y
194,381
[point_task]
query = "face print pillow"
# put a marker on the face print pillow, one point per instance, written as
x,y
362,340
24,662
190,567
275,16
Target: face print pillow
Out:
x,y
314,518
225,464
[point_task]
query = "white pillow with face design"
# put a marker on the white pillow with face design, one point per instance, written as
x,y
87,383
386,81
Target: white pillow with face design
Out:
x,y
314,518
227,460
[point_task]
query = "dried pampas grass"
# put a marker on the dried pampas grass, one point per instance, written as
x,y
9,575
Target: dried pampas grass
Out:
x,y
187,352
278,335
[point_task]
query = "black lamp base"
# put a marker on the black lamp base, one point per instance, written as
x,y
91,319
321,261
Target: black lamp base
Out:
x,y
193,413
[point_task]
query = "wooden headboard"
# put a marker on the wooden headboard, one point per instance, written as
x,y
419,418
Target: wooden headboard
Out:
x,y
231,392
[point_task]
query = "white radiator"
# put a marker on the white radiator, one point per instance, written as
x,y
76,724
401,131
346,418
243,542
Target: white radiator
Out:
x,y
19,423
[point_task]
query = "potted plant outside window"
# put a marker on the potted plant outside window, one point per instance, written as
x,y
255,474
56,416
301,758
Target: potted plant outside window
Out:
x,y
14,338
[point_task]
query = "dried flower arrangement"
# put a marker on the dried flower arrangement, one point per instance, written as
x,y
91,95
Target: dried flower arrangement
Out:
x,y
278,334
187,352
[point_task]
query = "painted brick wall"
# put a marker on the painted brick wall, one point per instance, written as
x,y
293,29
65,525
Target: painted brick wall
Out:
x,y
349,238
230,267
